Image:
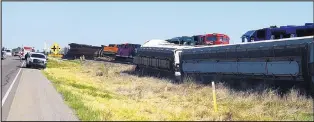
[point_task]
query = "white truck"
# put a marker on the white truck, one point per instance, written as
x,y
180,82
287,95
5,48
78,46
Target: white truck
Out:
x,y
36,60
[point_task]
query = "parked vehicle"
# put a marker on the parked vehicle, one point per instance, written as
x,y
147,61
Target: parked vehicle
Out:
x,y
8,52
3,55
16,53
36,60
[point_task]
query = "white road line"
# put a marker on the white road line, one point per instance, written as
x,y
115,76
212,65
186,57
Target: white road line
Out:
x,y
9,90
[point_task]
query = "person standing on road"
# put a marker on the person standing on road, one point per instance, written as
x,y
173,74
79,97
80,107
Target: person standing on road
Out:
x,y
20,57
21,54
26,55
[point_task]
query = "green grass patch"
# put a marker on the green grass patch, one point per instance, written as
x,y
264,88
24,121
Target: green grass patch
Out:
x,y
99,92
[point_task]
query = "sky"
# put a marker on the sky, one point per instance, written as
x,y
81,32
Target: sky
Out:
x,y
103,23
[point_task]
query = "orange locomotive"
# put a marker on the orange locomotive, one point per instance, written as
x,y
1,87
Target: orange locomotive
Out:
x,y
109,51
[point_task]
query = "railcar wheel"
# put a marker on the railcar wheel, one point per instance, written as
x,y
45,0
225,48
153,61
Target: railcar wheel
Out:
x,y
137,68
178,78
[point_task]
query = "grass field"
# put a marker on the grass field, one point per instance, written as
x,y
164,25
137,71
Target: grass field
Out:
x,y
98,91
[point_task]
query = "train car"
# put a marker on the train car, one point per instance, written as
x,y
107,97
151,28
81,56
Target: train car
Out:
x,y
206,39
289,59
78,50
100,52
275,32
111,50
282,59
160,54
211,39
127,51
197,39
184,40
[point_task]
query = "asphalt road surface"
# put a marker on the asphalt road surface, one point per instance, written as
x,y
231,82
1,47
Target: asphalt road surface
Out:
x,y
10,67
9,72
33,96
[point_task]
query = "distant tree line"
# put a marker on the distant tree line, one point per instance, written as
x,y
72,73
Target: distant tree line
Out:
x,y
18,49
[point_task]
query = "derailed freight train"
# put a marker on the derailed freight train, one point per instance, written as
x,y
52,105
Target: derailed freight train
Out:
x,y
158,55
249,63
118,51
127,51
109,51
161,54
281,32
282,59
77,50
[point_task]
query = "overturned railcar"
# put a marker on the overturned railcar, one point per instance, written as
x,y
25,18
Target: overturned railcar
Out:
x,y
283,59
281,32
161,56
77,50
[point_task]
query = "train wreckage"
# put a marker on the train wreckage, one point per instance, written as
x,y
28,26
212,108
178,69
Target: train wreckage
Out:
x,y
276,53
78,50
287,53
283,59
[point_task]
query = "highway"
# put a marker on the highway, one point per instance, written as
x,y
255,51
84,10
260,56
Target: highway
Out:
x,y
10,67
27,95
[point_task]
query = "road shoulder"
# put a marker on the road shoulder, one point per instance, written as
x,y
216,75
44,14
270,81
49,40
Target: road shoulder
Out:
x,y
36,99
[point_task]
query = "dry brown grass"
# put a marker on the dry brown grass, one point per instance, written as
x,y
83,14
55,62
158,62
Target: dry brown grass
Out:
x,y
98,91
